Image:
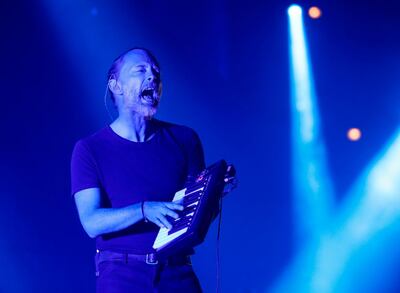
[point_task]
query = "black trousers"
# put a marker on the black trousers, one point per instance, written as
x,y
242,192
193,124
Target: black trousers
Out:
x,y
125,275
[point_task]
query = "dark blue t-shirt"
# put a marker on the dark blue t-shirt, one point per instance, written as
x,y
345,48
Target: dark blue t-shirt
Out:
x,y
130,172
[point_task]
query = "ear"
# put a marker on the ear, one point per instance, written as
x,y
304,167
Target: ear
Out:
x,y
115,86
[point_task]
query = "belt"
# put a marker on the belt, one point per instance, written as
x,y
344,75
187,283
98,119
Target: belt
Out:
x,y
150,259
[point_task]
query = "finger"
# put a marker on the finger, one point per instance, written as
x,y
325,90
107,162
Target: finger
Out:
x,y
164,221
158,223
174,206
171,213
168,212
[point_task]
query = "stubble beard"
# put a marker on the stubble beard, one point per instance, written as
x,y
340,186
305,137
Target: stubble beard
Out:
x,y
146,111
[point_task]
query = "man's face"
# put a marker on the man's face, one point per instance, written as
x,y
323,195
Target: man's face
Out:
x,y
140,82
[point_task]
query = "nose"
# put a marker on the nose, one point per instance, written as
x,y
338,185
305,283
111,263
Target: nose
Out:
x,y
153,75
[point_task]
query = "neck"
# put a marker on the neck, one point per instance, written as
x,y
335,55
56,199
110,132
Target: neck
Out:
x,y
134,127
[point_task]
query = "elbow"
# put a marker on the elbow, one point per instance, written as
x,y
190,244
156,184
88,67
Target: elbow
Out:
x,y
90,228
91,232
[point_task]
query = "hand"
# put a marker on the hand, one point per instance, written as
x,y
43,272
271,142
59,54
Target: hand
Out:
x,y
156,212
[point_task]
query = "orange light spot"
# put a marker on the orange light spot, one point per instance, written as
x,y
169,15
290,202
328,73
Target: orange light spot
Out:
x,y
314,12
354,134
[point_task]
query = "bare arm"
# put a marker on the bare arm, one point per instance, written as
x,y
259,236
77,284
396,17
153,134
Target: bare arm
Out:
x,y
97,220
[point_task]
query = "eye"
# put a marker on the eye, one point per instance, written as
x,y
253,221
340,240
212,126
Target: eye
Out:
x,y
156,71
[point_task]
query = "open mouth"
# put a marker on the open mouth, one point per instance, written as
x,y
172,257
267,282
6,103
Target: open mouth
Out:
x,y
150,96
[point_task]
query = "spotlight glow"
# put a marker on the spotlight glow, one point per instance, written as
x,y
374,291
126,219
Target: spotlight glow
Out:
x,y
312,188
356,236
294,10
314,12
354,134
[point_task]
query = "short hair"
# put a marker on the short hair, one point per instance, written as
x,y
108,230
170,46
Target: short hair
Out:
x,y
113,72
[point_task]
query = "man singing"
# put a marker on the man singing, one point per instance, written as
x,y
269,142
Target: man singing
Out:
x,y
123,180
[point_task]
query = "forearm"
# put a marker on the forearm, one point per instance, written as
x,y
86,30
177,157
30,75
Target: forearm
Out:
x,y
107,220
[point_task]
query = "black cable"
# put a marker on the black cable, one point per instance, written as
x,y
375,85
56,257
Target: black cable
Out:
x,y
232,184
218,246
106,104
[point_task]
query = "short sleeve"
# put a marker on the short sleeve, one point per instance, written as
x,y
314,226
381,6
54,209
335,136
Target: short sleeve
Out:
x,y
84,172
195,156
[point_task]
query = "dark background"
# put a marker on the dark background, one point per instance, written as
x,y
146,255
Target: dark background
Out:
x,y
225,70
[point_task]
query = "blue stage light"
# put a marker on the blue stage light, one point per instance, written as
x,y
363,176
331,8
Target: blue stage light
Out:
x,y
361,234
294,10
312,190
